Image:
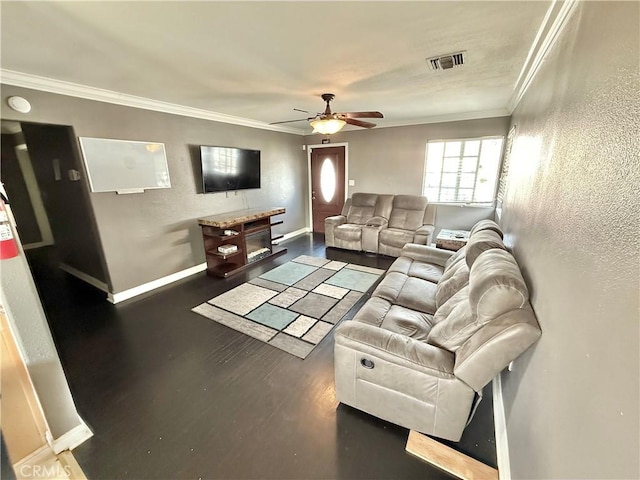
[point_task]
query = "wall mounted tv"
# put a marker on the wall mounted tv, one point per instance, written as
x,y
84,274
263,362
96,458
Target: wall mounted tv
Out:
x,y
227,168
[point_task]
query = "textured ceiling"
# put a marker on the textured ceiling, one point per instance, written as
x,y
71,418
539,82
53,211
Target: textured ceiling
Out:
x,y
259,60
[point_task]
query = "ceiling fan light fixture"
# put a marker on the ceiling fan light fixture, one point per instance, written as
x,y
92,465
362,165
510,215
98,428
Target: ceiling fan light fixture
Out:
x,y
327,123
327,126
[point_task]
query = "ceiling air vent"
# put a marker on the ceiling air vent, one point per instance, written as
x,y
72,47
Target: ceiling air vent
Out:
x,y
445,62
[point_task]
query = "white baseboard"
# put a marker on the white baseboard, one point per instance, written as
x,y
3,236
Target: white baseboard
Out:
x,y
43,456
100,285
295,233
500,425
72,438
160,282
174,277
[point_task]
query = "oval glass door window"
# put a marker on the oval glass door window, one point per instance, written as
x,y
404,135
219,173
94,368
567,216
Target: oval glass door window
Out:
x,y
327,180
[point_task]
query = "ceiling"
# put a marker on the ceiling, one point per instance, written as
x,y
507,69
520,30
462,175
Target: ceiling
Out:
x,y
259,60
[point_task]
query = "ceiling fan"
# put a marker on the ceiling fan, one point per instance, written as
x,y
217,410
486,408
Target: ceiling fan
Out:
x,y
328,122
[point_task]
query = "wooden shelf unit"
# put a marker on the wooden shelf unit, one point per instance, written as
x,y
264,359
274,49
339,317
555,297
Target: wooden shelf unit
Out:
x,y
254,239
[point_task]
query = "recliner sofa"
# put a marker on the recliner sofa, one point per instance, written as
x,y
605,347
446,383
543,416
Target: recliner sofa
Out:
x,y
435,331
380,223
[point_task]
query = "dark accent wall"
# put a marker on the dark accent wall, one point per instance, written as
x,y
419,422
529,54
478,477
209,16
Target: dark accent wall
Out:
x,y
16,187
150,235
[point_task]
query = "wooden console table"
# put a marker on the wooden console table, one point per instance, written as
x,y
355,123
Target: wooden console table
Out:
x,y
248,230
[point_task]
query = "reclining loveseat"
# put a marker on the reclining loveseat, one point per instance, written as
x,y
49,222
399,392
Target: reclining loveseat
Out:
x,y
382,224
436,330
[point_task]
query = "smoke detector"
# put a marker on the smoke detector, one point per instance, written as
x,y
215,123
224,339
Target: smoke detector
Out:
x,y
19,104
445,62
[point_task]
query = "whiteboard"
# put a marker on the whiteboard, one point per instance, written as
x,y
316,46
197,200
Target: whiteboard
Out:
x,y
124,166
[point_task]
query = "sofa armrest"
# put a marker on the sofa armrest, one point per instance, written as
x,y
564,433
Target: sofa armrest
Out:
x,y
426,254
329,225
424,234
370,234
377,222
371,231
495,345
395,348
335,220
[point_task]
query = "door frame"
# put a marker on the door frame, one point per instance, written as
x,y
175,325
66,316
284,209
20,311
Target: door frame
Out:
x,y
346,176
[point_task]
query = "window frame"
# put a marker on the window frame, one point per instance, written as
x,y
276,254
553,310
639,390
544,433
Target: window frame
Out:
x,y
498,170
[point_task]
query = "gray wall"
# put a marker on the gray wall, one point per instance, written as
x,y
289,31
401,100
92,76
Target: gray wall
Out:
x,y
151,235
29,325
391,160
571,215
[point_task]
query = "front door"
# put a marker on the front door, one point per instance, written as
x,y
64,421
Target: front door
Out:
x,y
327,184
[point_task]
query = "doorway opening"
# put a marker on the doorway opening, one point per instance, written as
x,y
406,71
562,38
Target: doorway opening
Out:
x,y
42,177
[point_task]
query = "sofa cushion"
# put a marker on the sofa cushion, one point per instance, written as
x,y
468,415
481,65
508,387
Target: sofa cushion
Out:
x,y
373,311
381,313
348,232
409,322
409,292
412,268
396,238
481,242
457,261
496,286
384,204
483,225
408,212
454,322
363,207
457,256
452,280
395,318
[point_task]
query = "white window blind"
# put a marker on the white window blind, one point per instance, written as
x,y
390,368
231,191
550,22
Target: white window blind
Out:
x,y
462,171
504,171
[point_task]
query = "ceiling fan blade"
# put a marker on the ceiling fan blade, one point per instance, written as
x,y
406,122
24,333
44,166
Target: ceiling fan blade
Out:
x,y
290,121
300,110
359,123
363,115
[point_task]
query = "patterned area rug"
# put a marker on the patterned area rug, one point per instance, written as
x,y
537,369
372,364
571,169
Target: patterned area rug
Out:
x,y
294,306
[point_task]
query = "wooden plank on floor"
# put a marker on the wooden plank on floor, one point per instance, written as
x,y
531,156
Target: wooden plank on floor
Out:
x,y
448,459
71,466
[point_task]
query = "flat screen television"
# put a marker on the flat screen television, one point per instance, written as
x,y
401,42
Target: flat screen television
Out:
x,y
227,168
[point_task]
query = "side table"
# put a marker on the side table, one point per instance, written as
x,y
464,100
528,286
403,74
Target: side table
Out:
x,y
452,239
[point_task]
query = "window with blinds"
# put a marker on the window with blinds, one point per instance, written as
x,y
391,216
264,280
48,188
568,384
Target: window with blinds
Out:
x,y
504,171
463,171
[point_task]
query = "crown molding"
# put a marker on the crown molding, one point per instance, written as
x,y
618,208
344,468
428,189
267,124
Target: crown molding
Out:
x,y
60,87
552,25
450,117
36,82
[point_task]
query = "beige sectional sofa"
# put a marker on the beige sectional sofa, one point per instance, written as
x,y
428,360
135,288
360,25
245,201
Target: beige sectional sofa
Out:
x,y
435,331
382,224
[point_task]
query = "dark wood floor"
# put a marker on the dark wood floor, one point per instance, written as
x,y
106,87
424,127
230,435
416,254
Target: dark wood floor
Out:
x,y
170,394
